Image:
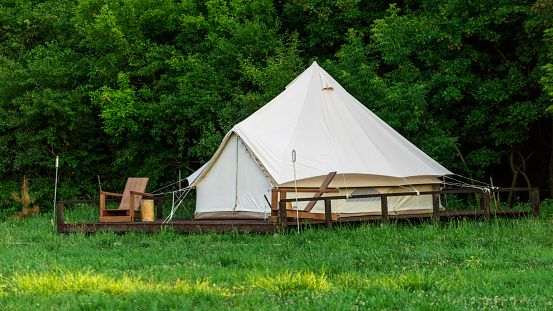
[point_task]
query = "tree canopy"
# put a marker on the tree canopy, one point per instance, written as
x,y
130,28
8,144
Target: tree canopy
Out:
x,y
147,88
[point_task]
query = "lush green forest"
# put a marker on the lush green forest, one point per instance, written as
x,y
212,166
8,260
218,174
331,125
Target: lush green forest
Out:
x,y
125,88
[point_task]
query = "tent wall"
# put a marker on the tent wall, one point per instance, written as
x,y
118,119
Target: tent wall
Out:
x,y
234,186
217,190
357,207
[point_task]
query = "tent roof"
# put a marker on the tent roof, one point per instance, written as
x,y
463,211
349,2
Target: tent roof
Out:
x,y
330,131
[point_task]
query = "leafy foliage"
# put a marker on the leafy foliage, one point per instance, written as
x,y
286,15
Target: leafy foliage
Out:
x,y
544,11
451,78
128,88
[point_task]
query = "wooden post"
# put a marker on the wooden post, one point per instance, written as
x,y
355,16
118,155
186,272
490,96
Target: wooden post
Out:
x,y
535,201
102,203
274,202
131,209
283,217
59,216
384,205
436,207
485,204
488,199
159,209
328,214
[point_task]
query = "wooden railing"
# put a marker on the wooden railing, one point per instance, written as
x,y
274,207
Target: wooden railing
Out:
x,y
61,204
484,197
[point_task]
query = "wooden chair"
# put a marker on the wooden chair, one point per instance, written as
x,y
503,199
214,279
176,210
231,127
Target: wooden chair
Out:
x,y
130,202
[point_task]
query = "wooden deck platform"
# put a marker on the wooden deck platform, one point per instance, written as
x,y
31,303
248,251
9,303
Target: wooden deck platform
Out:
x,y
280,219
188,225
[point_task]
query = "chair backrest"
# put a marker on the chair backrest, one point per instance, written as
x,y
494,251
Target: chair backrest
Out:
x,y
133,184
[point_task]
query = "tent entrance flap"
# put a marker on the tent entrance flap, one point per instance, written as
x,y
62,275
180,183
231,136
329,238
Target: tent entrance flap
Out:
x,y
234,183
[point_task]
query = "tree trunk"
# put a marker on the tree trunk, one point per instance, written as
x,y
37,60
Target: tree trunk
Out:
x,y
523,172
515,177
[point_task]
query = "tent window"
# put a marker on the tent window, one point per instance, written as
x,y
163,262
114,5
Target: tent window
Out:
x,y
364,191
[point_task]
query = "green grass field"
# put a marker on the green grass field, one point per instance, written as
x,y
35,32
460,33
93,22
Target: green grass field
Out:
x,y
457,265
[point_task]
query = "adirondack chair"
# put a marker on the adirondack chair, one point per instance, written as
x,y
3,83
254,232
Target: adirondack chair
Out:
x,y
130,202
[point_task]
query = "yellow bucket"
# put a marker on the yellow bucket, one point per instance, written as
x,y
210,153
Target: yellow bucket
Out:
x,y
147,210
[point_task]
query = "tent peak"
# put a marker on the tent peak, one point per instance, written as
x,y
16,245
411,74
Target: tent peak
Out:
x,y
313,71
325,83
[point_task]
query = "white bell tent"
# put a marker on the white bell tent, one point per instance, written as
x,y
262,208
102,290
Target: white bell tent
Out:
x,y
331,132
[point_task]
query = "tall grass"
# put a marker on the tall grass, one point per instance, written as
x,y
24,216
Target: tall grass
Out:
x,y
458,265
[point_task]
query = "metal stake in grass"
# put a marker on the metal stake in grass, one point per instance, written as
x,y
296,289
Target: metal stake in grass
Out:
x,y
296,187
55,221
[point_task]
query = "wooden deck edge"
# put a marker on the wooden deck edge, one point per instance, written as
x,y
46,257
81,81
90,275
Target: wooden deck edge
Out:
x,y
158,227
222,226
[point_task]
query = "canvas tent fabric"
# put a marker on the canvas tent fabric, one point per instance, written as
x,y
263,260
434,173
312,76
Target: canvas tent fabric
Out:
x,y
234,185
329,130
397,205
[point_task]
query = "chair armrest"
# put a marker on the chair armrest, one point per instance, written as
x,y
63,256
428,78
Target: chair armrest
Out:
x,y
142,194
103,200
112,194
